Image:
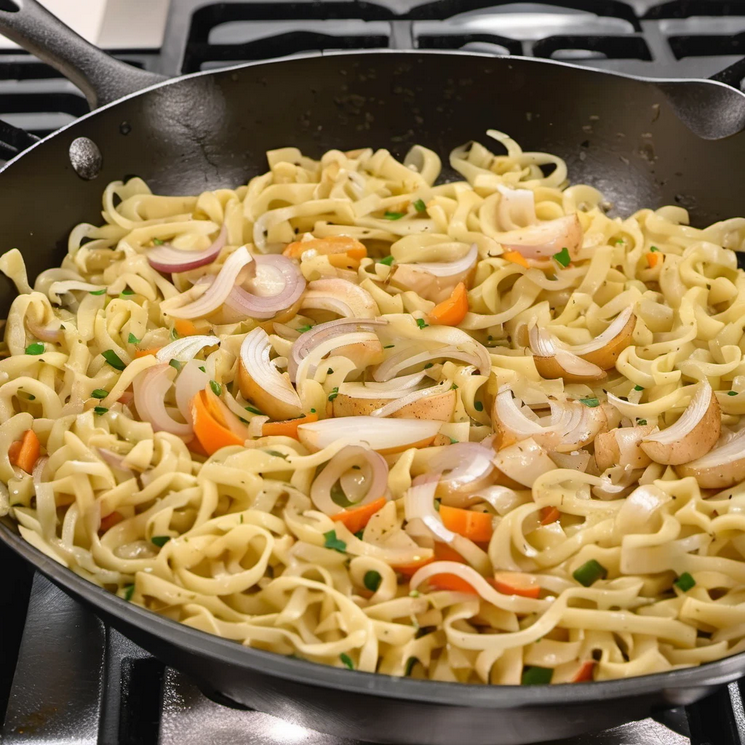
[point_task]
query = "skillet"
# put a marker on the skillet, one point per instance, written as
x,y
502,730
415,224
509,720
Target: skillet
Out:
x,y
632,138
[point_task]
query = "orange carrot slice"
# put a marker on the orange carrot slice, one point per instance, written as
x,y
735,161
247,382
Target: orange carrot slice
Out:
x,y
331,244
476,526
215,426
356,518
287,428
146,352
584,674
515,583
654,258
516,258
452,311
25,452
549,515
184,327
110,521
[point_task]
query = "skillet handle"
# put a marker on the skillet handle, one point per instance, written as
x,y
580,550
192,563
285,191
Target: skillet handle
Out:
x,y
732,75
102,78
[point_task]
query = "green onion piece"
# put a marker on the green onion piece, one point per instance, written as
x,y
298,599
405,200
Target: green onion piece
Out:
x,y
331,541
31,397
478,406
563,257
334,393
216,387
157,241
590,572
113,359
731,393
175,364
202,368
620,241
685,582
303,329
536,676
393,215
654,249
174,334
35,348
98,292
126,291
254,410
454,387
276,454
100,410
372,580
410,665
132,339
388,260
160,540
330,371
419,205
421,323
437,505
641,422
129,590
453,440
592,402
428,365
347,660
100,393
359,534
312,411
389,346
638,388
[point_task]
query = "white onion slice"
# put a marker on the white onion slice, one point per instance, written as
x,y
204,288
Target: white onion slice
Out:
x,y
524,462
544,240
191,380
372,467
721,467
448,268
52,334
150,388
464,466
413,397
404,359
170,260
518,203
341,297
185,349
419,504
216,294
394,388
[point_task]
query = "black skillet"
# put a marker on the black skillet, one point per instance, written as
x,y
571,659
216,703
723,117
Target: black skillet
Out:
x,y
621,134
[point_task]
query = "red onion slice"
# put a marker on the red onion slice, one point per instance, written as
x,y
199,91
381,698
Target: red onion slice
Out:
x,y
171,260
150,388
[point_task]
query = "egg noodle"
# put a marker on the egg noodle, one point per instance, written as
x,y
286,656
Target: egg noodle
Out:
x,y
476,431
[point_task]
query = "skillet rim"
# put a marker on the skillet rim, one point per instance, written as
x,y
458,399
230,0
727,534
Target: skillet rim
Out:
x,y
303,672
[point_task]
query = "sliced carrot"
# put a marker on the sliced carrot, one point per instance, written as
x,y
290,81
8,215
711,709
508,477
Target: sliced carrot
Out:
x,y
126,398
196,447
110,521
516,258
443,552
549,515
452,582
146,352
408,570
357,518
476,526
331,244
184,327
654,258
26,452
584,674
452,311
287,428
515,583
213,425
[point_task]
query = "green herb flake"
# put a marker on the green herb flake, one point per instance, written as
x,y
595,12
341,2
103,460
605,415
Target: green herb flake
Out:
x,y
216,387
454,387
394,215
330,371
126,291
421,323
359,534
98,292
685,582
654,249
591,402
331,541
129,590
157,241
276,454
388,260
428,365
113,359
312,411
254,410
100,410
202,368
389,346
478,406
100,393
346,661
453,440
589,573
35,348
410,665
533,676
563,257
620,241
731,393
31,397
160,540
132,339
303,329
372,580
641,422
334,393
175,364
638,388
437,505
174,334
420,206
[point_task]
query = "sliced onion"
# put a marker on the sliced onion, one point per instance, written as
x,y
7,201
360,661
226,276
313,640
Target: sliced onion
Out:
x,y
363,348
721,467
693,435
394,388
278,285
516,202
502,498
435,280
419,504
435,401
404,359
68,286
150,388
622,447
383,435
544,240
341,297
604,349
323,331
372,469
52,334
185,349
216,294
191,380
114,459
510,424
37,473
466,467
171,260
260,381
523,462
449,268
554,362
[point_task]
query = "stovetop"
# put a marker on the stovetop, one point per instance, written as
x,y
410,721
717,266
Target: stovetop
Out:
x,y
67,678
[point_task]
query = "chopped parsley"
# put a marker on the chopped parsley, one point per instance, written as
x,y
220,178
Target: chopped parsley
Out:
x,y
388,260
419,205
654,249
410,665
202,368
303,329
454,387
428,365
359,534
685,582
421,323
334,393
393,215
346,661
563,257
312,411
536,676
731,393
638,388
620,241
478,406
100,393
100,410
132,339
254,410
372,580
589,573
129,590
157,241
453,440
160,540
276,454
175,364
330,371
35,348
98,292
642,422
216,387
389,346
591,401
331,541
126,291
113,359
